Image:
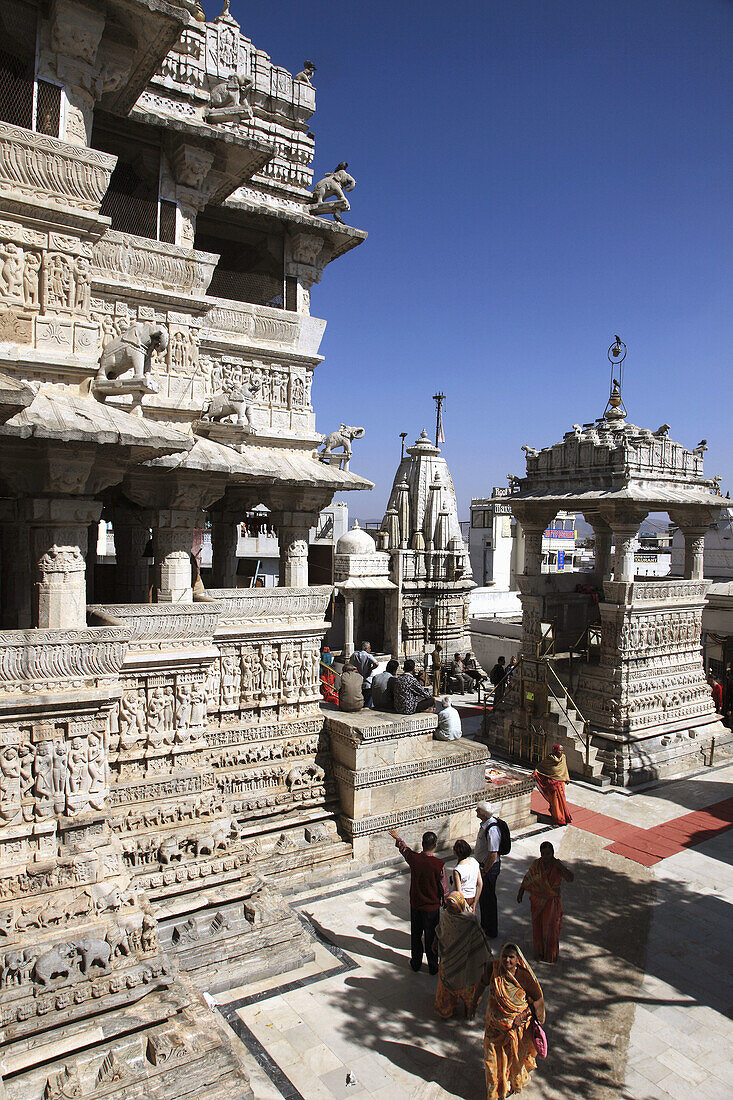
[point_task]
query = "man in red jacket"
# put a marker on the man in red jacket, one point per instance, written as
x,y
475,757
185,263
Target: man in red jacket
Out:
x,y
428,889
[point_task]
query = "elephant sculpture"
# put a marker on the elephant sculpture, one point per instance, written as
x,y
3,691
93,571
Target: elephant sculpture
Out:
x,y
56,963
236,401
132,351
342,438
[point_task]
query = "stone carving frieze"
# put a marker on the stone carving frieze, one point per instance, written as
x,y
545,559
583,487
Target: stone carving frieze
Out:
x,y
46,660
161,626
121,259
42,169
278,605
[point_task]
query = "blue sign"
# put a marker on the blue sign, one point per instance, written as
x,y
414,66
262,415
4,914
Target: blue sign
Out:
x,y
561,559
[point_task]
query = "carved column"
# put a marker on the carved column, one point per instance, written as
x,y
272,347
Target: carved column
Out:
x,y
694,552
59,531
602,545
132,533
534,524
293,540
293,516
172,538
348,623
224,538
624,534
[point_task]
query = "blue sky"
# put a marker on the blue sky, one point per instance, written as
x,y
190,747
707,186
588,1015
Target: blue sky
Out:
x,y
534,177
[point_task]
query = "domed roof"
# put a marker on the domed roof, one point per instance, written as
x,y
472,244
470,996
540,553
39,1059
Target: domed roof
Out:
x,y
356,541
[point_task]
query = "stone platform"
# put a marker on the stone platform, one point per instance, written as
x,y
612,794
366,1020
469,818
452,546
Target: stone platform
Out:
x,y
392,774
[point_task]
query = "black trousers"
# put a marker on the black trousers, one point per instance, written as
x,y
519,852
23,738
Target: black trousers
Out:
x,y
423,923
487,902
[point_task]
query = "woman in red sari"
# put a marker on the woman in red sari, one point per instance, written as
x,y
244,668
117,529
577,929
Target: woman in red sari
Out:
x,y
542,882
551,776
328,680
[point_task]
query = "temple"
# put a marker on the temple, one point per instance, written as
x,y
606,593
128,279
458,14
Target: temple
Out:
x,y
162,743
612,665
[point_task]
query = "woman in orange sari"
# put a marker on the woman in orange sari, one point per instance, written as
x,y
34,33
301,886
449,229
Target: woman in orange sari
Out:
x,y
542,882
509,1051
551,777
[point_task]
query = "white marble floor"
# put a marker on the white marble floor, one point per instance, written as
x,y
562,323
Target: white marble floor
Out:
x,y
638,1004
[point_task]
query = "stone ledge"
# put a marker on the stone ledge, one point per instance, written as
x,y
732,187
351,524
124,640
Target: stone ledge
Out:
x,y
412,770
374,725
383,822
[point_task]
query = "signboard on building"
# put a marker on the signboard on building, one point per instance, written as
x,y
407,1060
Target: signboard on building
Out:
x,y
561,559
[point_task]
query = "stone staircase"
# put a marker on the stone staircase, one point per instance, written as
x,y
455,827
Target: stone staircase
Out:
x,y
568,730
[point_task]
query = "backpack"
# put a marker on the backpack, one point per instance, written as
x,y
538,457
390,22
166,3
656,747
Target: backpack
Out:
x,y
505,838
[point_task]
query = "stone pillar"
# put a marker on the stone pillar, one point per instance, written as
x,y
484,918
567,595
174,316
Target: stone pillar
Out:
x,y
293,541
59,529
172,539
533,531
348,624
15,577
224,538
132,533
603,536
694,552
624,534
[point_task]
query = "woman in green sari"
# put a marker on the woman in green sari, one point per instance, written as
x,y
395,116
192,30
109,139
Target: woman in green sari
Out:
x,y
464,957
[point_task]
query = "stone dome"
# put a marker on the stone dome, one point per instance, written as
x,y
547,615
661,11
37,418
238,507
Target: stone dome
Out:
x,y
356,541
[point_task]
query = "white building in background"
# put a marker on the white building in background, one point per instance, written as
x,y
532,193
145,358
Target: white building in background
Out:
x,y
496,544
717,615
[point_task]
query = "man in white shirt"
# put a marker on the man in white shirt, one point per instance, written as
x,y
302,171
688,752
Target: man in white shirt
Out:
x,y
486,852
449,721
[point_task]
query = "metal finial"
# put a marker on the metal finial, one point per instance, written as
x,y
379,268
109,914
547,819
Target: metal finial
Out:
x,y
615,408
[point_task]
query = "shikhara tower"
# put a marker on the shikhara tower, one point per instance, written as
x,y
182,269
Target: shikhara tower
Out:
x,y
429,561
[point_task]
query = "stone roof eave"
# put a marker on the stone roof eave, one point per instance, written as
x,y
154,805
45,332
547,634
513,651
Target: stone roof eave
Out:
x,y
340,238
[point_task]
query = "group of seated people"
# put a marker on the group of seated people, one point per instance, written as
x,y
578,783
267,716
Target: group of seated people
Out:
x,y
390,690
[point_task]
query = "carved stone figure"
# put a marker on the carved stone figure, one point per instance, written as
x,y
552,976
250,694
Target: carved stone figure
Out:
x,y
131,719
235,401
169,851
307,73
333,186
92,952
31,275
342,438
126,361
228,101
184,694
56,963
11,269
97,767
9,783
82,279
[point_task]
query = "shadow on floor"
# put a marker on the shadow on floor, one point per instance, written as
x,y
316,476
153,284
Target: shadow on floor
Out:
x,y
591,993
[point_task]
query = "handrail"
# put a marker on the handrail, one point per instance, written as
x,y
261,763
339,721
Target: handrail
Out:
x,y
550,649
584,733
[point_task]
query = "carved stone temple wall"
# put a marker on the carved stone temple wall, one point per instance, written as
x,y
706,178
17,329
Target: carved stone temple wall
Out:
x,y
163,760
637,678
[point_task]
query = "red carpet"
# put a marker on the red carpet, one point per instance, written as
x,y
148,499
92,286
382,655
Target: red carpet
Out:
x,y
649,846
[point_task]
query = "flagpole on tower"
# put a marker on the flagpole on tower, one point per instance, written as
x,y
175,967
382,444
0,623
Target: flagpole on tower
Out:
x,y
439,398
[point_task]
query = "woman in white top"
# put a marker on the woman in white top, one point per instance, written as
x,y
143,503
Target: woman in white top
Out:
x,y
467,874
